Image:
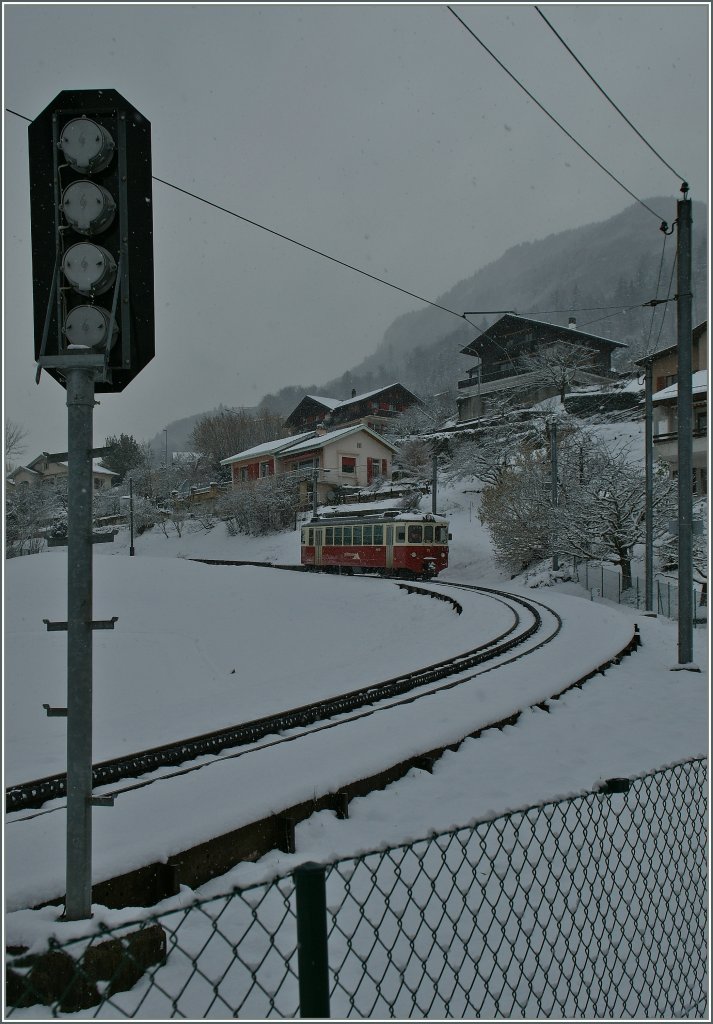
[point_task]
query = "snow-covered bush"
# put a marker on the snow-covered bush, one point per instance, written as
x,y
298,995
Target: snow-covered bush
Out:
x,y
260,506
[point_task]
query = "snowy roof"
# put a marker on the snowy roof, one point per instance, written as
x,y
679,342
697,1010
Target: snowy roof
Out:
x,y
96,467
370,394
328,403
322,440
572,332
266,448
332,404
699,385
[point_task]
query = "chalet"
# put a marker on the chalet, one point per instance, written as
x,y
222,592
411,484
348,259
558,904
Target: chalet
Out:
x,y
375,409
504,353
664,375
48,470
353,456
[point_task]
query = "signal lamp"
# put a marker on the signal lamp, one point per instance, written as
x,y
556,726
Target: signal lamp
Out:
x,y
87,146
89,268
89,208
88,326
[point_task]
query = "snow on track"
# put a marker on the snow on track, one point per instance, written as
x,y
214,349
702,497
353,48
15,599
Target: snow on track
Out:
x,y
153,823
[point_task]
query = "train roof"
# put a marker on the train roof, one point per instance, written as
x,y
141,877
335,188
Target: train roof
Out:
x,y
372,516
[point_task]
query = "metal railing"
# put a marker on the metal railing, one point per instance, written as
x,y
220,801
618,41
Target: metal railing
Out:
x,y
606,584
593,906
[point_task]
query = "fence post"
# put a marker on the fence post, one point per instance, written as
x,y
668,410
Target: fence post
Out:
x,y
312,952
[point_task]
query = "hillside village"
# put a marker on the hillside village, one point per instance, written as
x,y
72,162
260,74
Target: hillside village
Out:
x,y
523,375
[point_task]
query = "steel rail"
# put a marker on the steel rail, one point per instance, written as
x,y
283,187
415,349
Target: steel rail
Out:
x,y
34,794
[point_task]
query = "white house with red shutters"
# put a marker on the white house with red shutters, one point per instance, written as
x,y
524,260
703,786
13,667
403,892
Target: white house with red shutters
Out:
x,y
351,457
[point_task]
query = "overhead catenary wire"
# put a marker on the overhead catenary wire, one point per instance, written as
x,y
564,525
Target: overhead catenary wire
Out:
x,y
591,77
293,241
348,266
553,118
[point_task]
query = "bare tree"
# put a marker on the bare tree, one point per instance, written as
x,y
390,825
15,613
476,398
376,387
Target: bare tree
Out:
x,y
604,512
15,436
217,436
559,363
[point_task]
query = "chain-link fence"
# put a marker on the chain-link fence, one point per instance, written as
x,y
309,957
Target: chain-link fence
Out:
x,y
605,584
594,906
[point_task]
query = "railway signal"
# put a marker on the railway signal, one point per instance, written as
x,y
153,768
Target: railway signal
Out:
x,y
92,279
92,237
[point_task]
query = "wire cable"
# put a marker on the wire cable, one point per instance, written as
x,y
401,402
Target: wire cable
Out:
x,y
309,248
591,77
553,118
293,241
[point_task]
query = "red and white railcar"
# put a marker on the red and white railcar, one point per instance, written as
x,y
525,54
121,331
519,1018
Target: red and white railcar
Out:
x,y
409,544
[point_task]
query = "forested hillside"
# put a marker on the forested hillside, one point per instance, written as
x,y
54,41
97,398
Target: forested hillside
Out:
x,y
613,263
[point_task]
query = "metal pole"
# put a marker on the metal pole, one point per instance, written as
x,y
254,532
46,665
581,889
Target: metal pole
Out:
x,y
80,410
434,485
312,948
649,463
131,515
553,466
315,474
685,433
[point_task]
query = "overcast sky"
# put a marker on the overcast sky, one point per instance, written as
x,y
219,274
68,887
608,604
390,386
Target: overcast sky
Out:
x,y
383,135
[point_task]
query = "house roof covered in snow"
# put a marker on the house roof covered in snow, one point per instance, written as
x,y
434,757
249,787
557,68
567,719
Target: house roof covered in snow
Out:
x,y
322,440
267,448
699,386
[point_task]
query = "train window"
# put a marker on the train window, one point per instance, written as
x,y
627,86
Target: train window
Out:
x,y
442,534
329,535
428,534
414,534
310,537
347,538
304,536
356,532
400,534
367,535
378,534
337,535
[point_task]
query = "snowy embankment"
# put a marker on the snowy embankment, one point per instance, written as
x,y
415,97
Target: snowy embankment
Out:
x,y
637,718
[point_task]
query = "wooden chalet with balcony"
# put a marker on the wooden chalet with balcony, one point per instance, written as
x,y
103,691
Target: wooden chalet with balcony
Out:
x,y
504,354
664,375
374,409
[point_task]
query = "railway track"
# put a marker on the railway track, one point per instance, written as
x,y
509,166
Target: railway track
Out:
x,y
527,623
532,626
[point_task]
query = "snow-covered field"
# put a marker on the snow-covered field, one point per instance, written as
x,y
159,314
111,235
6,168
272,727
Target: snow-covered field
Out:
x,y
181,624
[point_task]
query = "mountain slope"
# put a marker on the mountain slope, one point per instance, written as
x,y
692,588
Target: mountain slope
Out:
x,y
613,263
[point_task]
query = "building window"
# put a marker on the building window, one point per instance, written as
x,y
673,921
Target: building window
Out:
x,y
264,469
348,464
701,420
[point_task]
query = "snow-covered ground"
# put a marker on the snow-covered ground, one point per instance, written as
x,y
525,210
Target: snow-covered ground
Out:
x,y
185,622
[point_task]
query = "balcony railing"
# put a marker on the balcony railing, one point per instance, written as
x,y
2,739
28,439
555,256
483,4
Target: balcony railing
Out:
x,y
672,435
